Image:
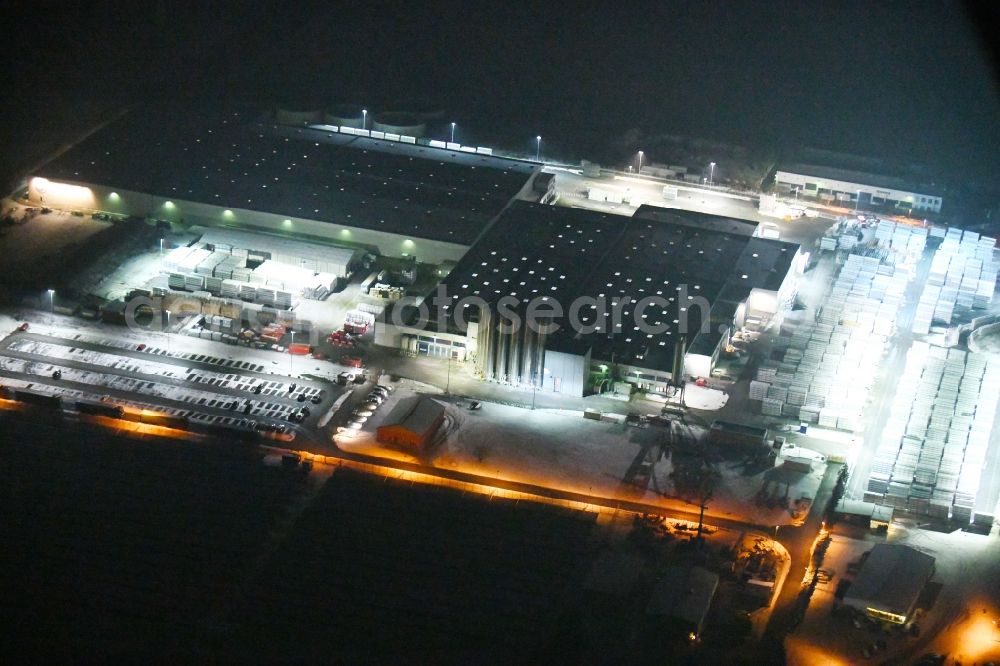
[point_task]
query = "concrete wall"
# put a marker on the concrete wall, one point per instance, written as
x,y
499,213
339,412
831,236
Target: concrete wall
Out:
x,y
697,365
405,337
80,196
565,373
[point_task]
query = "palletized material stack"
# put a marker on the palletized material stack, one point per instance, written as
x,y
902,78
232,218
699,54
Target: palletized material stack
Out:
x,y
208,264
828,365
174,259
265,296
963,274
933,447
213,285
225,267
758,390
230,289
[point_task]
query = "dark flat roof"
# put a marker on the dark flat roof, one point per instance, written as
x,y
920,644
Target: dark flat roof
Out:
x,y
567,253
233,161
684,593
698,219
892,576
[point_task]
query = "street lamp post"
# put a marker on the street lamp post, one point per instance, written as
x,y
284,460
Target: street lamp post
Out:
x,y
857,200
538,148
639,170
364,118
447,386
161,255
291,370
167,328
52,300
711,173
630,169
453,132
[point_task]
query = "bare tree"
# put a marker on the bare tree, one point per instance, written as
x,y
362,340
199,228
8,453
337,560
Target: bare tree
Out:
x,y
696,485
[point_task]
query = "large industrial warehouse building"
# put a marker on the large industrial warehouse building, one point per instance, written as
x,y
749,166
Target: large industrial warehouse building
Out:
x,y
368,190
690,262
344,190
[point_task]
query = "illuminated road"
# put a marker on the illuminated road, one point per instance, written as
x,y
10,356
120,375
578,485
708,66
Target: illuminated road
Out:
x,y
798,541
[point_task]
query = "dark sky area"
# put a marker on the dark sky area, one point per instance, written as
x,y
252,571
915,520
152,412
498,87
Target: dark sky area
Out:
x,y
907,81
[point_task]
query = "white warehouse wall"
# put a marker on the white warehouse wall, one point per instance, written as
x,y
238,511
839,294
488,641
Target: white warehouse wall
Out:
x,y
80,196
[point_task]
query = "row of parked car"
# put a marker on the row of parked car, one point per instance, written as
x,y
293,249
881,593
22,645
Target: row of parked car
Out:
x,y
361,413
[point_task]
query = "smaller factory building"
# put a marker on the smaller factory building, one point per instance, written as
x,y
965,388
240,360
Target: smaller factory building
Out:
x,y
412,423
890,582
855,189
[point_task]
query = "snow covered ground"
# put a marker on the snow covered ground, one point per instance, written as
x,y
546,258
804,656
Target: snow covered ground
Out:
x,y
560,449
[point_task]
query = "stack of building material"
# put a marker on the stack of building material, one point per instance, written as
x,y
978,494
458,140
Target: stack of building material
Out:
x,y
175,258
213,285
282,299
758,390
771,407
208,264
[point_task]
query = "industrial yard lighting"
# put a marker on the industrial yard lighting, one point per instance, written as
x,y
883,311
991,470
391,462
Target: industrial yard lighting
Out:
x,y
447,386
364,118
167,329
52,300
639,170
228,214
168,204
630,169
113,196
538,148
711,173
453,132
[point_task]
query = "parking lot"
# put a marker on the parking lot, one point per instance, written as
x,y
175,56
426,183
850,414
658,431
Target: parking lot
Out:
x,y
199,387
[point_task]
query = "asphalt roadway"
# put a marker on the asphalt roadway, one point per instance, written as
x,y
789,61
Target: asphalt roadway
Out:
x,y
798,541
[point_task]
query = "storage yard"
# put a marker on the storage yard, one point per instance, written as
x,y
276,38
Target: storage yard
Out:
x,y
883,300
873,355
